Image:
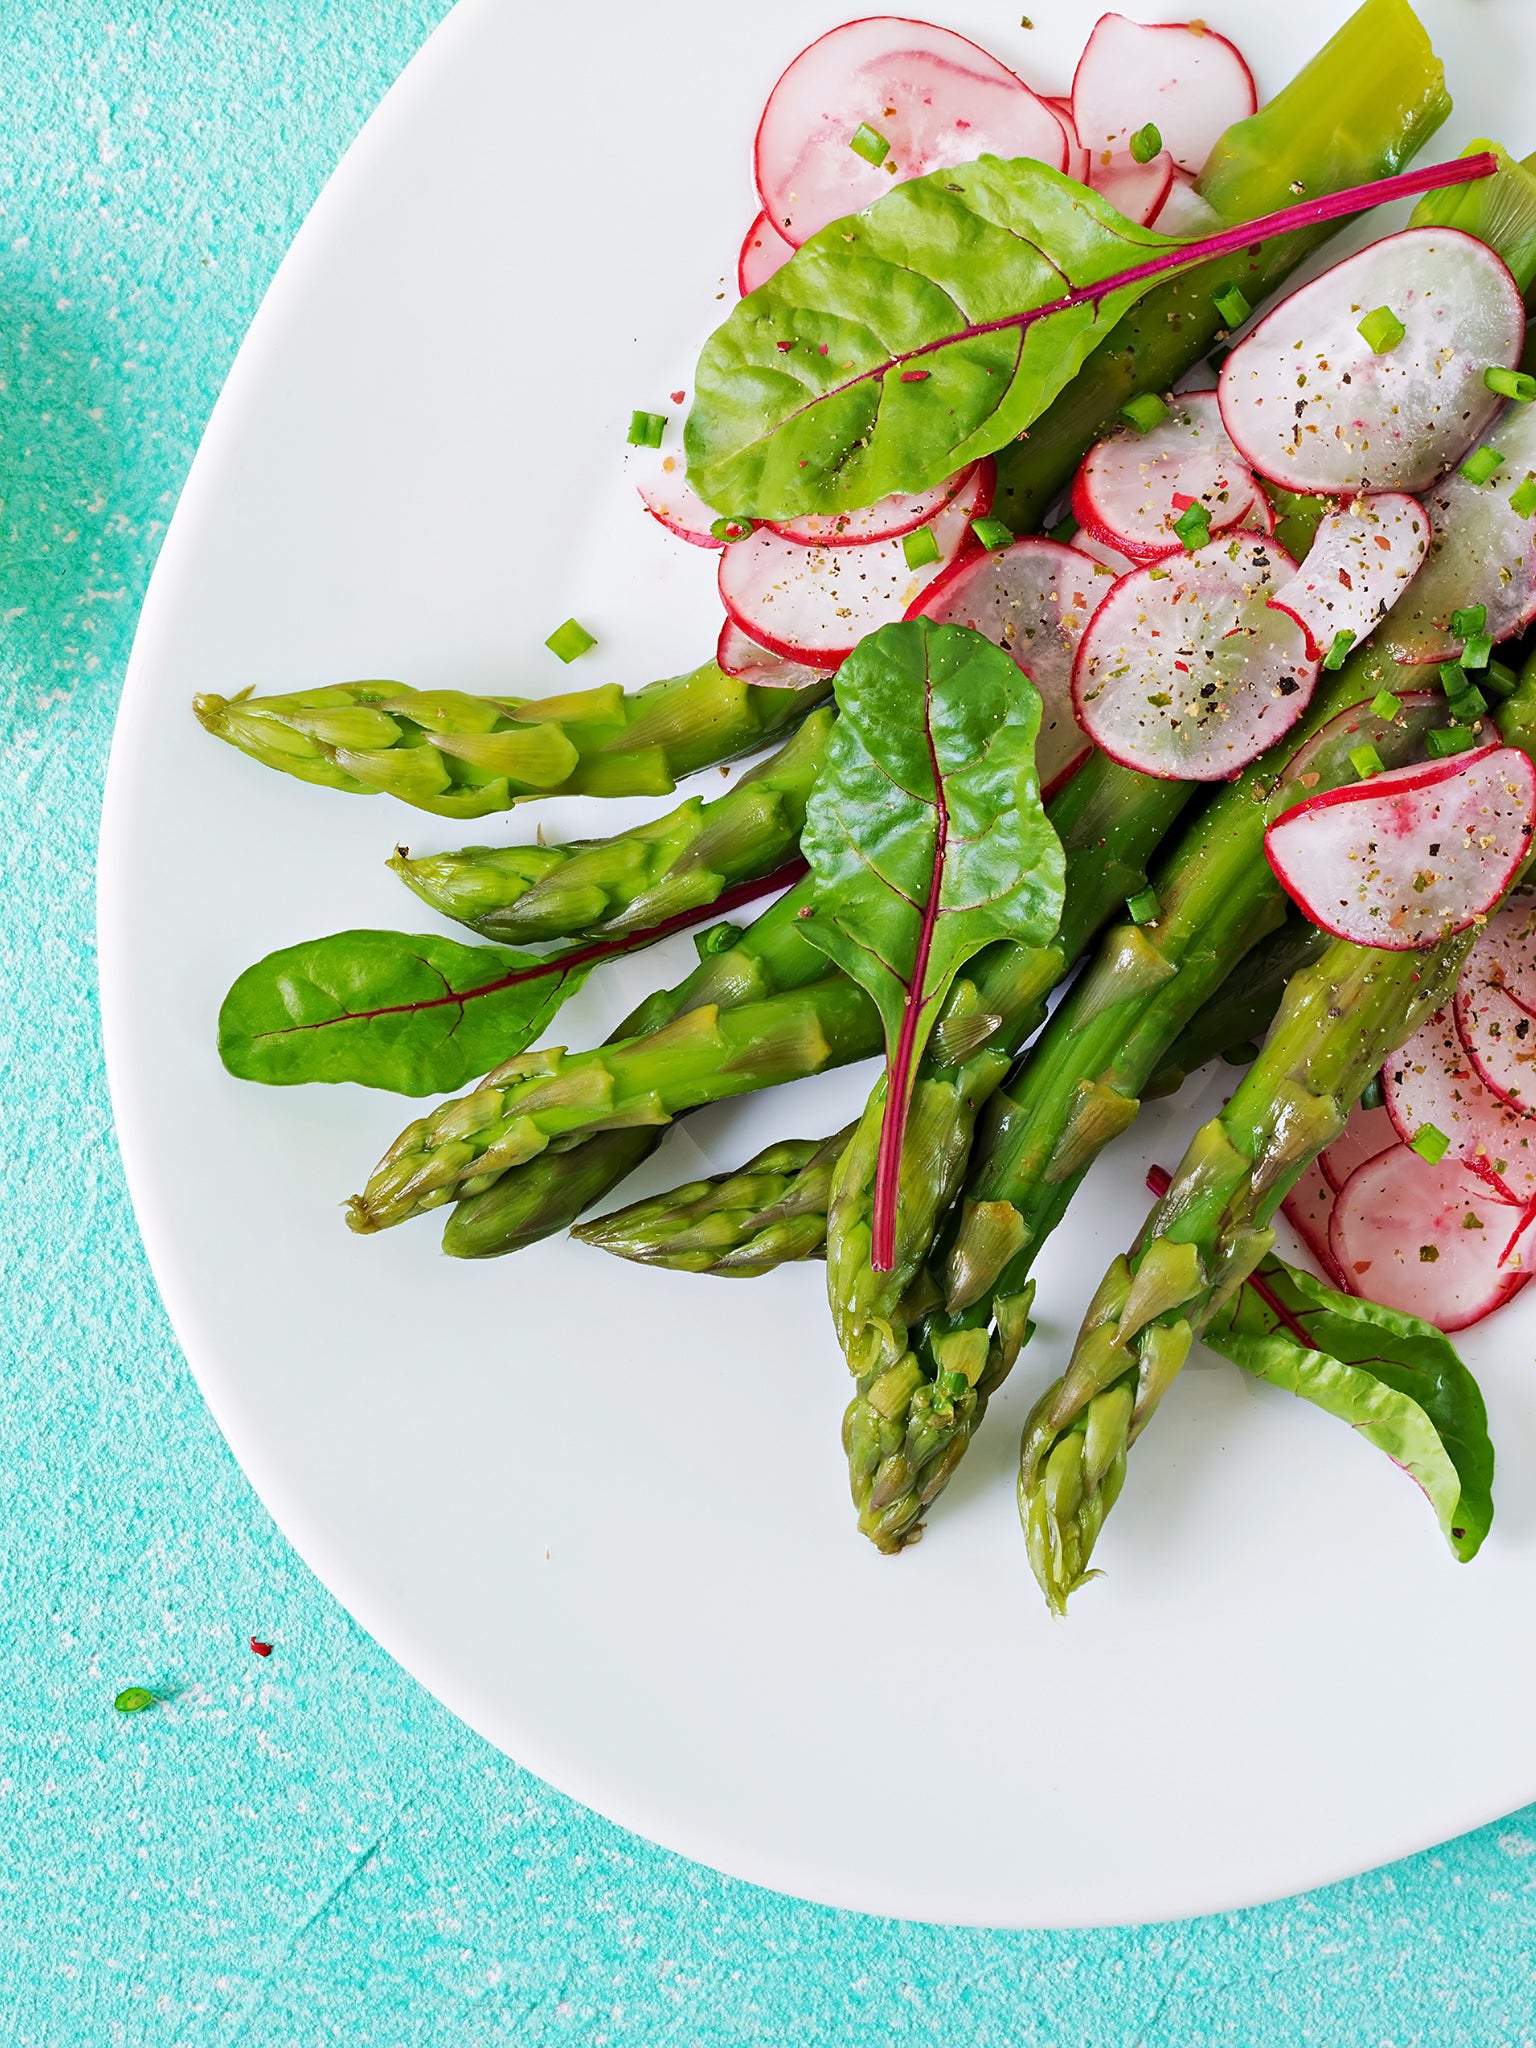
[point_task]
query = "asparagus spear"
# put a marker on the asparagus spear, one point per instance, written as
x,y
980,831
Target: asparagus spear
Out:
x,y
463,756
1236,1018
602,888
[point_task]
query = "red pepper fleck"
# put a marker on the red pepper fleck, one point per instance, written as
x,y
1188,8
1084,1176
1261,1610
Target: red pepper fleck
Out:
x,y
261,1649
822,350
1159,1181
915,376
784,347
678,397
1182,501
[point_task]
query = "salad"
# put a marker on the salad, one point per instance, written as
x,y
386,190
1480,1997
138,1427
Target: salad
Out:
x,y
1134,644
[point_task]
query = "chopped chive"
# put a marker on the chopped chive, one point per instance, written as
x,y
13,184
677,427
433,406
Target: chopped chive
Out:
x,y
1468,619
1499,680
1365,761
570,640
134,1699
1469,707
1231,305
993,534
646,429
1385,705
1478,650
1374,1096
1193,526
1147,143
1063,530
1483,465
1338,653
1144,412
1449,739
869,143
1430,1144
1523,501
1142,907
920,548
731,529
1381,331
1453,679
1511,384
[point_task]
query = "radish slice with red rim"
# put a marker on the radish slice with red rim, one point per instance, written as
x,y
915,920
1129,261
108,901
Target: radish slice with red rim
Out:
x,y
902,512
815,604
1496,1004
738,654
763,253
1482,552
1138,191
1132,487
1034,600
1077,154
662,481
1313,407
1430,1084
1399,741
1429,1241
1405,859
1184,214
1184,671
1190,83
1087,542
1368,1134
1362,561
934,97
1308,1208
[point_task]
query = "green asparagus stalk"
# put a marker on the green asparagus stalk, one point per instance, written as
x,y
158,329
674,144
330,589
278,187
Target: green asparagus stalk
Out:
x,y
603,888
1361,109
1231,1025
464,756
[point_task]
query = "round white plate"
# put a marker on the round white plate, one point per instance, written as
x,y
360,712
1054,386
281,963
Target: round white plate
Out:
x,y
602,1512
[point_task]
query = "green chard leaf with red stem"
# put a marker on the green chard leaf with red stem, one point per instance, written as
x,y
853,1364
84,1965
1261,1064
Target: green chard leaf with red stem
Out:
x,y
927,840
1397,1380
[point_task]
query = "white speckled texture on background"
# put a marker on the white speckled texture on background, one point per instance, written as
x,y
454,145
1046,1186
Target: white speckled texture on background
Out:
x,y
309,1850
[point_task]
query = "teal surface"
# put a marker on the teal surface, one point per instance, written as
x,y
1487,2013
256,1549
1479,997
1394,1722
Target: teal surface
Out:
x,y
307,1849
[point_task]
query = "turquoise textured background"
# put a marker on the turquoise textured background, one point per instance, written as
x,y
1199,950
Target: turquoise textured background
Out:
x,y
308,1849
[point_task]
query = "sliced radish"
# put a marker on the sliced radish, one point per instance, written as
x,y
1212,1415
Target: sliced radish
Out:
x,y
1034,599
1430,1082
932,95
1405,859
1139,191
1191,84
1399,740
1183,213
738,654
1185,673
1496,1004
902,512
1368,1133
1308,1208
1311,406
1077,154
1362,561
1087,542
1483,551
668,496
815,604
1132,487
764,252
1429,1241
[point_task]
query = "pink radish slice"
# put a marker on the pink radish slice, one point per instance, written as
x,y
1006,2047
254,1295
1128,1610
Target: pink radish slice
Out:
x,y
1368,1133
1362,561
1190,83
814,604
1034,599
1138,191
1184,214
1077,155
665,492
1184,672
1405,859
738,654
934,97
1308,1208
764,252
1399,739
1087,542
903,512
1496,1004
1312,407
1430,1081
1429,1241
1132,487
1482,552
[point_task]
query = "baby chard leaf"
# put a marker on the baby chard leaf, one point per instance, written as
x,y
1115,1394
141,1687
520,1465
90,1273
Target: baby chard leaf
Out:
x,y
926,839
1394,1378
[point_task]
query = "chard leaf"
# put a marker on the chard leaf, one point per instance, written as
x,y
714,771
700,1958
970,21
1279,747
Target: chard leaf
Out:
x,y
926,839
1394,1378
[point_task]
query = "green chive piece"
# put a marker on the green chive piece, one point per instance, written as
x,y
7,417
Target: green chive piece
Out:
x,y
1511,384
920,548
1468,619
1063,530
1147,143
1482,465
1385,705
1144,412
1430,1144
1450,739
1143,907
869,143
1231,305
1365,761
1338,653
729,530
1478,651
993,534
1469,707
1193,526
1500,681
1381,331
646,429
134,1699
1375,1095
1453,679
570,640
1523,502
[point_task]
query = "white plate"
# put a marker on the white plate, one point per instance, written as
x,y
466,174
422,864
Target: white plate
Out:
x,y
602,1512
